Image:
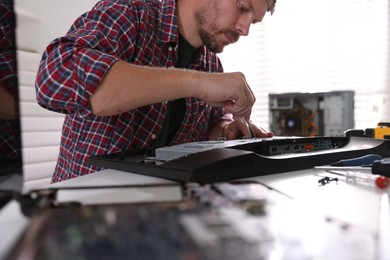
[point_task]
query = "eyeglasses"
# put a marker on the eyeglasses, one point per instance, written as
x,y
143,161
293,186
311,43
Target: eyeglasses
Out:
x,y
271,6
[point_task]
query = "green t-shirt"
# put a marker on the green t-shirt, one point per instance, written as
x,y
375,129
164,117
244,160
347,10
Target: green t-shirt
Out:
x,y
175,108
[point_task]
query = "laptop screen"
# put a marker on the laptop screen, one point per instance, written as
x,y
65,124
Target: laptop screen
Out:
x,y
10,144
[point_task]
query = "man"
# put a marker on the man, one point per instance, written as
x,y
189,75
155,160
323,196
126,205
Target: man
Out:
x,y
135,74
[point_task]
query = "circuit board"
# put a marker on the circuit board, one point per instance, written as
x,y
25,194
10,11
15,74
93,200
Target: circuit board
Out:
x,y
237,220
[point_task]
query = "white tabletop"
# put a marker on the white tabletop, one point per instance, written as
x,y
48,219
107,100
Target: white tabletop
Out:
x,y
107,178
355,204
364,208
112,186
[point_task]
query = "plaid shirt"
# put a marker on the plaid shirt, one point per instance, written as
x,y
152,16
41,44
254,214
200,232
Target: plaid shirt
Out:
x,y
142,32
9,129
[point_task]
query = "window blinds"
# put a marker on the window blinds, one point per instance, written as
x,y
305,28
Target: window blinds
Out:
x,y
319,46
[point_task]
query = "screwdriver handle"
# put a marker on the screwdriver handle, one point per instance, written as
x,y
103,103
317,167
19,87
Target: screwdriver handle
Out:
x,y
381,167
359,161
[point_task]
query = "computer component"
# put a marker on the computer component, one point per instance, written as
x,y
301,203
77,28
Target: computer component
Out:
x,y
311,114
382,131
237,220
217,161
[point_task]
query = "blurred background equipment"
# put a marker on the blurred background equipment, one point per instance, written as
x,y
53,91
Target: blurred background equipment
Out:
x,y
311,114
381,131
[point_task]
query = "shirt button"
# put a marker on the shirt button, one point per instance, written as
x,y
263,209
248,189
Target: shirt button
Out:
x,y
170,48
154,136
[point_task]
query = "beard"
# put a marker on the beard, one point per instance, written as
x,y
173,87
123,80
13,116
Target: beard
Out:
x,y
206,18
209,40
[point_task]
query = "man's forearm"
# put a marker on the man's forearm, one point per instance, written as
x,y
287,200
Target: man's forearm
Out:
x,y
128,86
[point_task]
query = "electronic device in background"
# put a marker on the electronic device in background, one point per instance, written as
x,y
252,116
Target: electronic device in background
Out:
x,y
381,131
311,114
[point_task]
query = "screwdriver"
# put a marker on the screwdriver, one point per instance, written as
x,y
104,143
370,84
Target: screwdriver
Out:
x,y
359,161
363,179
361,174
249,128
381,167
377,167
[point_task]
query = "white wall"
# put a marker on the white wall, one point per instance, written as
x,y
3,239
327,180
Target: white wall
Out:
x,y
40,21
319,46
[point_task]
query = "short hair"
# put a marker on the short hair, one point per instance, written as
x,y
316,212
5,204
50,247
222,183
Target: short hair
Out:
x,y
271,6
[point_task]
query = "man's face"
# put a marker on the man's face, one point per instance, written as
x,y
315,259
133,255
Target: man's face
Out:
x,y
222,22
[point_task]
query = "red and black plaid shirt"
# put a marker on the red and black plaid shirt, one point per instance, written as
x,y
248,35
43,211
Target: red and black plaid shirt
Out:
x,y
9,129
142,32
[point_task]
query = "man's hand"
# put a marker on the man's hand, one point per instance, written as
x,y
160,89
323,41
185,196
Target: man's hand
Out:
x,y
239,128
230,91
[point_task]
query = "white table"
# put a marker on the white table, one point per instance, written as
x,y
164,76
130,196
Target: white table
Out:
x,y
355,204
363,207
367,208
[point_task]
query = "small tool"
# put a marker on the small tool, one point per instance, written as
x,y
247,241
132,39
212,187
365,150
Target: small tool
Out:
x,y
359,161
364,179
325,180
362,170
365,169
250,128
381,167
377,167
